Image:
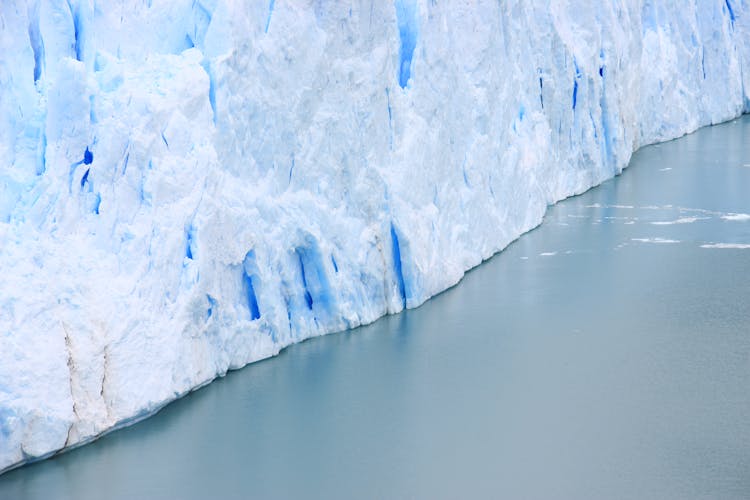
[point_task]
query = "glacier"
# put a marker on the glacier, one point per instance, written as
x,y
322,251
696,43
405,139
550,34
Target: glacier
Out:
x,y
187,186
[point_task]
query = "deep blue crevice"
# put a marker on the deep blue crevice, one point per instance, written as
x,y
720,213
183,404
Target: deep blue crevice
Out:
x,y
731,11
601,71
163,138
291,170
388,102
211,306
125,162
88,158
77,33
249,269
37,46
575,83
211,87
397,267
406,14
541,90
77,42
308,296
85,177
252,301
314,278
270,12
703,62
593,125
97,202
521,113
335,266
42,154
189,239
288,305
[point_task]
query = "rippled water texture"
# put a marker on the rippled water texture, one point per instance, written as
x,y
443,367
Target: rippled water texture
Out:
x,y
604,355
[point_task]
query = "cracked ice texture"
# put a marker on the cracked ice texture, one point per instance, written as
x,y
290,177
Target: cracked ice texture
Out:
x,y
188,186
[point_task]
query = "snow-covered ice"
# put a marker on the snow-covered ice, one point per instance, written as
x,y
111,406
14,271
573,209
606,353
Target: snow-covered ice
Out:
x,y
187,186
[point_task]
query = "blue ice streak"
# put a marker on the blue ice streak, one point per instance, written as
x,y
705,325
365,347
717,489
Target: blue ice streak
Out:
x,y
406,14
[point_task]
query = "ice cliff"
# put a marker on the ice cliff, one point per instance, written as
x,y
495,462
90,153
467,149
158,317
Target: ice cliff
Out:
x,y
187,186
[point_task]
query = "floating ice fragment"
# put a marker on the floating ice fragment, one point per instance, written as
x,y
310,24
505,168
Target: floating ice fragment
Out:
x,y
736,217
736,246
654,240
681,220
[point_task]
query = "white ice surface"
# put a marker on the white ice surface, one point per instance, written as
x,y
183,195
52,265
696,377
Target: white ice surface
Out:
x,y
187,186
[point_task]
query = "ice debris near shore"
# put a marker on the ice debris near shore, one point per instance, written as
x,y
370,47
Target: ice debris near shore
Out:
x,y
187,186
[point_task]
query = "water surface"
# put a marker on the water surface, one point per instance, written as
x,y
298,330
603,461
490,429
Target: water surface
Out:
x,y
604,355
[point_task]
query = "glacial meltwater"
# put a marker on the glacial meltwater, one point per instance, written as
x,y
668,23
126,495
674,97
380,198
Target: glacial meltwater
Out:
x,y
605,354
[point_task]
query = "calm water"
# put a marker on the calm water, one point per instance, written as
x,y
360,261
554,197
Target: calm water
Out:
x,y
604,355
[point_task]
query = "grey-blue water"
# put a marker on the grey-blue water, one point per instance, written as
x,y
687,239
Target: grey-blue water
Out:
x,y
604,355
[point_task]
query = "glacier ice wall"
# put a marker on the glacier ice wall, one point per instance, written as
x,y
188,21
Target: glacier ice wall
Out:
x,y
187,186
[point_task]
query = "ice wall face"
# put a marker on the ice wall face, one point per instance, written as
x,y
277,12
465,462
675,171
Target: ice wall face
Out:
x,y
189,186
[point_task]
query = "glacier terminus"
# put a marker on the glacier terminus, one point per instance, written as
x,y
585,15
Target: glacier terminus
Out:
x,y
188,186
